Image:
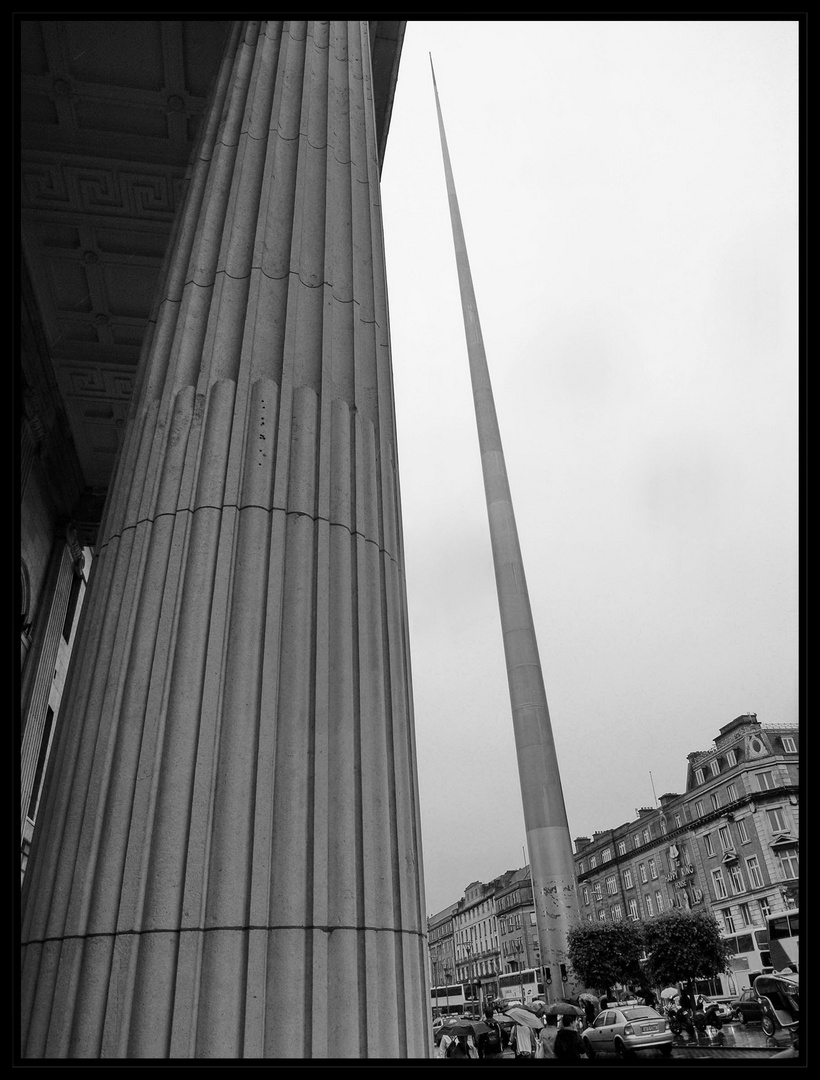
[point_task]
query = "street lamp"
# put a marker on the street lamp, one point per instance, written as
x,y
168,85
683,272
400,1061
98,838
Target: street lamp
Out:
x,y
519,948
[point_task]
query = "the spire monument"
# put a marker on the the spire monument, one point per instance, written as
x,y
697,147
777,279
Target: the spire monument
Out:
x,y
545,817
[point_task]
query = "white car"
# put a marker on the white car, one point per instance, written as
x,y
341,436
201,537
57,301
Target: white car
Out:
x,y
622,1031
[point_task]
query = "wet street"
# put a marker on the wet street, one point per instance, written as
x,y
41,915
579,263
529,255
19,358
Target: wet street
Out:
x,y
735,1040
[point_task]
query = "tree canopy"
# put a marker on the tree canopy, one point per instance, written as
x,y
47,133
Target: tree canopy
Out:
x,y
684,946
603,954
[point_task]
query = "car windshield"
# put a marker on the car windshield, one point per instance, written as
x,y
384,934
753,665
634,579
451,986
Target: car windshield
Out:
x,y
640,1014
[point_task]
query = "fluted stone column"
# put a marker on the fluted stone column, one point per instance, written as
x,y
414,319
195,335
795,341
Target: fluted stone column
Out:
x,y
228,859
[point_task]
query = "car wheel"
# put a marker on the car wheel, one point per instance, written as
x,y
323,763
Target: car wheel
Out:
x,y
590,1053
742,1018
620,1050
767,1025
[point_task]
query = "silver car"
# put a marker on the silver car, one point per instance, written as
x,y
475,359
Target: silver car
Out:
x,y
625,1030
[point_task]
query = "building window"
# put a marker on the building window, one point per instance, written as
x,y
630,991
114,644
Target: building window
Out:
x,y
598,895
737,879
585,894
728,920
642,872
741,831
725,838
698,809
616,912
42,757
648,905
593,862
607,855
745,914
789,744
627,879
715,797
720,885
677,821
581,867
788,862
659,901
663,826
622,847
73,597
653,870
715,767
707,844
765,907
611,886
699,776
731,793
633,910
765,781
731,757
777,822
647,836
636,841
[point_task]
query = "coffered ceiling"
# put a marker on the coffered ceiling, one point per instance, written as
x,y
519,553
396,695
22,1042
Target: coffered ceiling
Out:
x,y
109,112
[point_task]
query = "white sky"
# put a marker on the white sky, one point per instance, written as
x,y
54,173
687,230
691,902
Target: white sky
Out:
x,y
629,193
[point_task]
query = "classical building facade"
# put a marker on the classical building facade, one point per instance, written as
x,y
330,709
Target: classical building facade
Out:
x,y
226,860
728,844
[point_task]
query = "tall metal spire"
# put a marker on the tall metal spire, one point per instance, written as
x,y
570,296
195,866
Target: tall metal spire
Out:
x,y
545,816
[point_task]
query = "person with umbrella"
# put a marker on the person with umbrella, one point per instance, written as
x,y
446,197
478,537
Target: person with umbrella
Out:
x,y
527,1025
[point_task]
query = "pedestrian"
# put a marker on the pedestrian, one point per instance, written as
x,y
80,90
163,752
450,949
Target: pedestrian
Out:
x,y
590,1011
491,1042
523,1042
546,1039
568,1045
461,1047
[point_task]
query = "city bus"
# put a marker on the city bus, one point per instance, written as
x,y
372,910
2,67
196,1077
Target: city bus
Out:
x,y
454,999
521,986
784,939
750,958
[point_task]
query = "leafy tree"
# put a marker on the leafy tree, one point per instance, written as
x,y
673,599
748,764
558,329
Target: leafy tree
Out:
x,y
603,954
684,946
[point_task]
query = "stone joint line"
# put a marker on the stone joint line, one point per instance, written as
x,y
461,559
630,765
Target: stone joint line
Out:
x,y
246,506
284,138
270,277
210,929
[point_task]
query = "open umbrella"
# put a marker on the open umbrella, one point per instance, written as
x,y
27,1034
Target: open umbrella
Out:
x,y
519,1015
563,1008
593,999
670,992
467,1027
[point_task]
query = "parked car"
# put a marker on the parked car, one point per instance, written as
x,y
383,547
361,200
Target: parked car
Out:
x,y
622,1031
747,1008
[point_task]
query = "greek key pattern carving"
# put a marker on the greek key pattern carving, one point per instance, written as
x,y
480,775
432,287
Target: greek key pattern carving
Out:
x,y
109,192
97,383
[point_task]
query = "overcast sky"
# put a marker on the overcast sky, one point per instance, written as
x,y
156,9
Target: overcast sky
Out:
x,y
629,194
